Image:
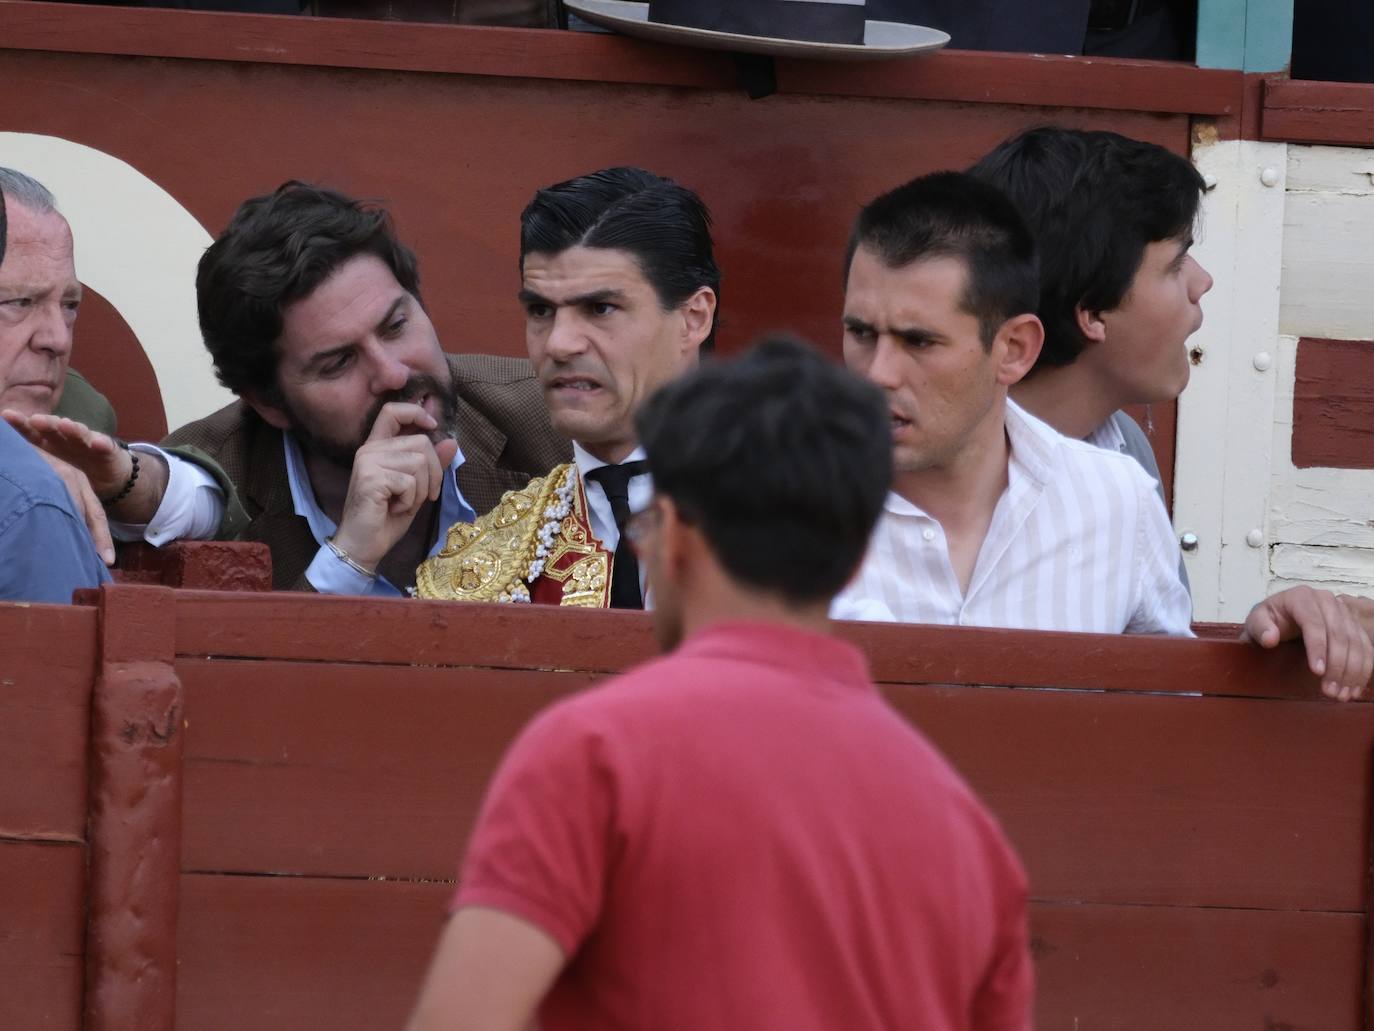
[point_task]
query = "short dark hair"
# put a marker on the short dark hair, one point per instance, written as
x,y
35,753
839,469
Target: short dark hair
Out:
x,y
953,215
278,249
664,226
1095,201
782,459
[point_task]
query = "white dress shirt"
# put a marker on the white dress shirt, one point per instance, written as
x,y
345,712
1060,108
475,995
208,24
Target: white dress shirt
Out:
x,y
599,514
1078,541
192,506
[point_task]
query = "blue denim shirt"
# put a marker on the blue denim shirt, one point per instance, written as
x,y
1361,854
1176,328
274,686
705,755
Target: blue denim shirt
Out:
x,y
45,550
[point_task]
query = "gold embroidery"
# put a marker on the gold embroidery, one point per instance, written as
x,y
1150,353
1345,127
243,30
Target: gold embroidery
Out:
x,y
489,559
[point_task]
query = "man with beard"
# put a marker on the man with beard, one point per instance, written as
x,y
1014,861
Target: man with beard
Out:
x,y
355,440
619,285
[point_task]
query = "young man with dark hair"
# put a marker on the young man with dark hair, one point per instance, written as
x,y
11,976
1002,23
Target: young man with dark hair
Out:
x,y
620,287
355,441
1120,295
994,518
647,858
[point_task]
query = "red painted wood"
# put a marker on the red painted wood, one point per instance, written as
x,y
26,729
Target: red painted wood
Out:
x,y
198,565
1299,111
42,911
953,75
1164,799
388,784
287,626
47,667
284,953
1148,968
107,353
135,816
1110,797
1333,404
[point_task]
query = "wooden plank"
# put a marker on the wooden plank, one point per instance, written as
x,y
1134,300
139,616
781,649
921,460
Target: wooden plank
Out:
x,y
42,916
137,715
403,760
1299,111
964,76
287,626
1109,797
1333,404
1142,968
1327,264
1166,800
47,668
284,953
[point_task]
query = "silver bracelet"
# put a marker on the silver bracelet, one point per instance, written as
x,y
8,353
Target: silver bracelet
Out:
x,y
348,559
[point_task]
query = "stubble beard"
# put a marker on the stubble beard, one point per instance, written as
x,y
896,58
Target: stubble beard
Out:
x,y
341,453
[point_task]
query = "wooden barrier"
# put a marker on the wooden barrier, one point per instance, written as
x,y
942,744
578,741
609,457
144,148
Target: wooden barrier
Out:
x,y
1194,816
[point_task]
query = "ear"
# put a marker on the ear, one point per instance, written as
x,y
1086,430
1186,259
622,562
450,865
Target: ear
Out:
x,y
1017,347
1090,324
681,547
698,316
271,414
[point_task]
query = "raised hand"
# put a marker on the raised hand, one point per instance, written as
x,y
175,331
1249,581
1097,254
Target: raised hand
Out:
x,y
395,472
1338,648
105,464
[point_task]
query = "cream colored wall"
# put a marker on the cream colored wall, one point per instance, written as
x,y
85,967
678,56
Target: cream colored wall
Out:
x,y
1288,235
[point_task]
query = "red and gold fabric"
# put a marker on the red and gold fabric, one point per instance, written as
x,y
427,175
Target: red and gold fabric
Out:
x,y
536,545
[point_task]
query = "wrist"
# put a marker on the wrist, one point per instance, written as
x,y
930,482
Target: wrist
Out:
x,y
359,563
122,484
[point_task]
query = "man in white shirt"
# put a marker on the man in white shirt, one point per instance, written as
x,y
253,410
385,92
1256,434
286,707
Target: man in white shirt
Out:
x,y
1120,295
356,439
619,286
994,518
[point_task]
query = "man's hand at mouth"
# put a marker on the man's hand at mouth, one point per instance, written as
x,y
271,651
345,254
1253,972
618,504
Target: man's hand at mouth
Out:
x,y
395,472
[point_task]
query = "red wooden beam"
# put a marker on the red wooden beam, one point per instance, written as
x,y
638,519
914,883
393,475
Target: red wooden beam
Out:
x,y
950,75
284,626
1333,404
135,816
1338,113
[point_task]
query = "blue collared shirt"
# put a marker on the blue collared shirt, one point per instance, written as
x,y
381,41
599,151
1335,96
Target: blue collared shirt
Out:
x,y
329,574
45,549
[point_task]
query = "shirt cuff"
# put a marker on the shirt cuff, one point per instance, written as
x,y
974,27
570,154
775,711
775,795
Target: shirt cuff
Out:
x,y
191,507
329,574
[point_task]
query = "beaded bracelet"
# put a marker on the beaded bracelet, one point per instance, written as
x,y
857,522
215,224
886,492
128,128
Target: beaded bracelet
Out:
x,y
129,483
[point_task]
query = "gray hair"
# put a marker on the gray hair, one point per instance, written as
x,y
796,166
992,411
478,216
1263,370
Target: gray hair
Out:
x,y
26,191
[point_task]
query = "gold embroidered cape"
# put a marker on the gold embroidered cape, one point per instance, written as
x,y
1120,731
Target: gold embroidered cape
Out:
x,y
535,545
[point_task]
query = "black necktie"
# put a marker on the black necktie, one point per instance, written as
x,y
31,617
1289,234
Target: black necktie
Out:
x,y
615,481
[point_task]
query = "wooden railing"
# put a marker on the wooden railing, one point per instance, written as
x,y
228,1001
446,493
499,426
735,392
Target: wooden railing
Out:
x,y
272,793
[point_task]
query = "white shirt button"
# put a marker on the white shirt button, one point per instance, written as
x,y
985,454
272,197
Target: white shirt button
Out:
x,y
928,534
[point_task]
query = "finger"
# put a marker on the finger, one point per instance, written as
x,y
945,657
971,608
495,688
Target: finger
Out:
x,y
18,420
1366,667
1338,629
1261,626
400,417
403,493
415,454
97,522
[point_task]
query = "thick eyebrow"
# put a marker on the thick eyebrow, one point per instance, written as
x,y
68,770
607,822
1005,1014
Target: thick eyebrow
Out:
x,y
323,357
1185,245
527,297
908,334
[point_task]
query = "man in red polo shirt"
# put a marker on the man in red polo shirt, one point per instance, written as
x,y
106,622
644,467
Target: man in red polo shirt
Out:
x,y
741,834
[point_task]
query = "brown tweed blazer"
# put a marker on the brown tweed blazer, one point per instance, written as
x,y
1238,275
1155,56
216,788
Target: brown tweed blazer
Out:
x,y
503,429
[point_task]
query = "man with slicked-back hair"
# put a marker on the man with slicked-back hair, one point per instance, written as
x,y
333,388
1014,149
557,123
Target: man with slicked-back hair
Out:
x,y
619,286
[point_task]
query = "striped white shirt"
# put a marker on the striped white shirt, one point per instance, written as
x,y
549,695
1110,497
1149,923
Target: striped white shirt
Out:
x,y
1078,541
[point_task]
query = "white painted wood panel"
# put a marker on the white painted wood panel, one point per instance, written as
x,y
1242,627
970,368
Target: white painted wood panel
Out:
x,y
1328,244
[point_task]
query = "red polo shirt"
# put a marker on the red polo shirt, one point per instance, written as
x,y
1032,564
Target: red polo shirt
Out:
x,y
744,835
